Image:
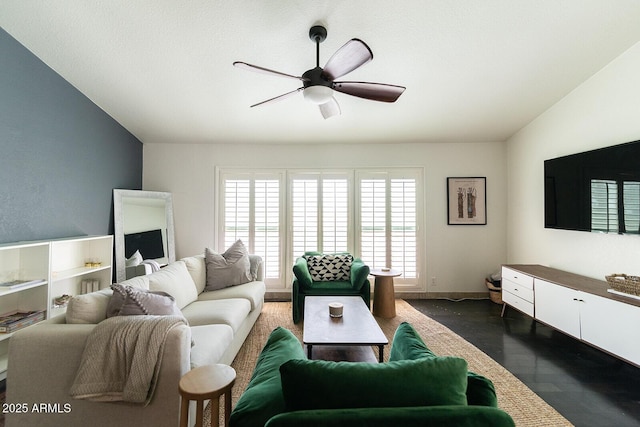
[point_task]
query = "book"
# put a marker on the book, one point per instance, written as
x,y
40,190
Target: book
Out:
x,y
14,284
12,322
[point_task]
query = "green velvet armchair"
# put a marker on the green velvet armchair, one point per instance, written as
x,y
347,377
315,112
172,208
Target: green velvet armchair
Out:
x,y
306,283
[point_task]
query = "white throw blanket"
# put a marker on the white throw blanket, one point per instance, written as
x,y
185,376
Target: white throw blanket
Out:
x,y
122,358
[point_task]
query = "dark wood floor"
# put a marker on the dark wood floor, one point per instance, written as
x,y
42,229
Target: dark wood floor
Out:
x,y
587,386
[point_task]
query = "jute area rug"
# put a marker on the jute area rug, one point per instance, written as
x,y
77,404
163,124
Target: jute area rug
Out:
x,y
524,406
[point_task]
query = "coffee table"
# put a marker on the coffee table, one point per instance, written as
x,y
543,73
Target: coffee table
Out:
x,y
356,327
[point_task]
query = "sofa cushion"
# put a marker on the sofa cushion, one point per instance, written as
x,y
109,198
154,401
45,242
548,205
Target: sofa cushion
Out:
x,y
229,268
140,282
232,312
407,344
263,397
419,416
337,385
128,301
209,344
198,271
88,308
329,267
175,280
252,291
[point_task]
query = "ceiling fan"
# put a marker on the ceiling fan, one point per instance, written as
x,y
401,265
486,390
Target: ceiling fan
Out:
x,y
318,84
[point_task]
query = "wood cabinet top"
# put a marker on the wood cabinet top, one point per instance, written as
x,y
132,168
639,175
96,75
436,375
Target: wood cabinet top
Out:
x,y
572,281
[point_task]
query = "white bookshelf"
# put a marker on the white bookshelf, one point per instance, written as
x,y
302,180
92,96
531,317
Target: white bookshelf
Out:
x,y
59,267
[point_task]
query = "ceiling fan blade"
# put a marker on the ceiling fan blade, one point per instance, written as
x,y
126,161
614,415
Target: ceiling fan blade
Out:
x,y
279,97
373,91
330,108
262,70
346,59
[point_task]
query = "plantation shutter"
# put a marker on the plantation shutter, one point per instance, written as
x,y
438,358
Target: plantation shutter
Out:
x,y
320,213
304,216
335,215
252,214
388,221
373,222
404,226
236,211
266,242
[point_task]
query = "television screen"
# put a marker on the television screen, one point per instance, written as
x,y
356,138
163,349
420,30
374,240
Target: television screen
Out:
x,y
596,191
149,243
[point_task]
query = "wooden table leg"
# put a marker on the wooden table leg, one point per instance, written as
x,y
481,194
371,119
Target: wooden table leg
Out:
x,y
199,414
215,411
227,408
184,412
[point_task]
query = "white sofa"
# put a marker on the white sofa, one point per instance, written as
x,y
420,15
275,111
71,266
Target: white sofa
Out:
x,y
44,359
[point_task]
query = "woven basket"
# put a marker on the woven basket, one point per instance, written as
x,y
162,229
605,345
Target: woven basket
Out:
x,y
623,283
495,293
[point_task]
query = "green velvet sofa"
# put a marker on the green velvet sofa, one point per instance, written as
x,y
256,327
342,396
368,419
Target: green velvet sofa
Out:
x,y
304,285
415,388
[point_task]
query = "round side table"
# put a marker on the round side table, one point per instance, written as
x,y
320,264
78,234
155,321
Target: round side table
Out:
x,y
206,383
384,298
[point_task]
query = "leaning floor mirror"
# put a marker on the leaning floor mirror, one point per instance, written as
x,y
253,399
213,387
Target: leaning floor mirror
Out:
x,y
144,235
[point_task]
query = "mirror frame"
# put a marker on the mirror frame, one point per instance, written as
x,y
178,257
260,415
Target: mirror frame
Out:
x,y
118,219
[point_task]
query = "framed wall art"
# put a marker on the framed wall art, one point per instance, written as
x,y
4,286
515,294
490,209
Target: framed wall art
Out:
x,y
467,201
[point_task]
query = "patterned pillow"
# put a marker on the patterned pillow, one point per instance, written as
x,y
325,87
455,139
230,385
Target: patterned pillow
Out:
x,y
129,301
329,268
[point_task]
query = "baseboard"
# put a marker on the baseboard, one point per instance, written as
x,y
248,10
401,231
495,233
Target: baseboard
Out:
x,y
277,296
286,296
442,295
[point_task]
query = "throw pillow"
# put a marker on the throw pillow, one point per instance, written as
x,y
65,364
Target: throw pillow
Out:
x,y
135,259
88,308
175,280
407,344
229,268
329,268
128,301
340,385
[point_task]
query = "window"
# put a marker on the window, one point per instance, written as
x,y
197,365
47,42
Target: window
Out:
x,y
279,219
319,213
388,220
252,212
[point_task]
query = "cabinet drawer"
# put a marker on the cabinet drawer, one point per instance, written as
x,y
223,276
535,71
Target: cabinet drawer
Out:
x,y
516,302
517,277
519,290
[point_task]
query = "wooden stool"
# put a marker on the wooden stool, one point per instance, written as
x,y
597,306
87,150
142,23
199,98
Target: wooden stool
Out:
x,y
206,383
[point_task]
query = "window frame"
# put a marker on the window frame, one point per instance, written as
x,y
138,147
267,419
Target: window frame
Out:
x,y
353,176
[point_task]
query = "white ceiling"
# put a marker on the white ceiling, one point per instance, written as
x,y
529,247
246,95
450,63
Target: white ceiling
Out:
x,y
474,70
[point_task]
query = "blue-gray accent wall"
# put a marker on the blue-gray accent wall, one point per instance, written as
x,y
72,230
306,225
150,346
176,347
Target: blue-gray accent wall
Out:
x,y
61,156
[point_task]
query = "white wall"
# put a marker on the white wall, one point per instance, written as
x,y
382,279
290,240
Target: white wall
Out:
x,y
603,111
458,256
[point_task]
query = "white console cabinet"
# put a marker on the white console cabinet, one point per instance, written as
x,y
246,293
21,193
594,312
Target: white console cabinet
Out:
x,y
517,290
559,307
580,307
56,267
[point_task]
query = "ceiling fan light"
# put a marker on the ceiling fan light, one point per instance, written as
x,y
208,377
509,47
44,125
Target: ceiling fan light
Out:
x,y
318,94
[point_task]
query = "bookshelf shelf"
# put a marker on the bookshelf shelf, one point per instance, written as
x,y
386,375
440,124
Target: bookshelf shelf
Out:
x,y
57,263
